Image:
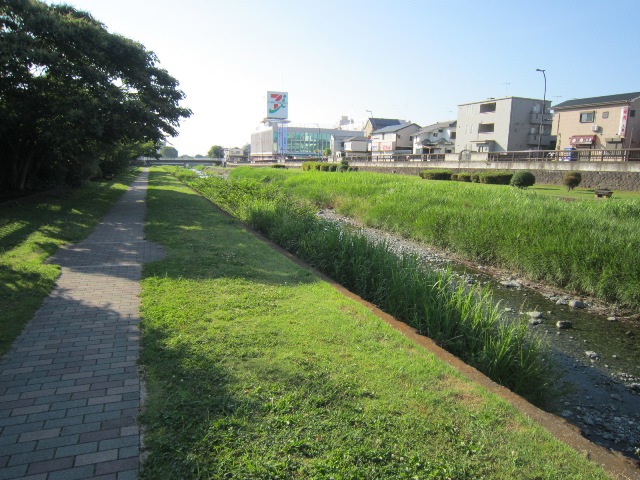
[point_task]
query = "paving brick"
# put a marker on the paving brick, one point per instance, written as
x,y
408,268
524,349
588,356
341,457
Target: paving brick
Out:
x,y
73,473
97,457
13,472
58,442
40,434
117,466
100,435
31,457
78,449
50,465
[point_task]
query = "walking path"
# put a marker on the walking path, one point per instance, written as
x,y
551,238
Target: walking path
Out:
x,y
69,387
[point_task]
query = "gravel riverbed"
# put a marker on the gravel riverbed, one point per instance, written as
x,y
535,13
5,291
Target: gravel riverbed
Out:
x,y
595,347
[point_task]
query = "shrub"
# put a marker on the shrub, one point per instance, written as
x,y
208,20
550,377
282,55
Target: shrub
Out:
x,y
278,165
306,166
333,167
461,177
522,179
495,177
352,169
436,174
325,167
572,180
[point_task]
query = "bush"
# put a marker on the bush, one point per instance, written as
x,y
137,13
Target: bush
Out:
x,y
333,167
495,177
522,179
306,166
572,180
325,167
461,177
278,165
436,174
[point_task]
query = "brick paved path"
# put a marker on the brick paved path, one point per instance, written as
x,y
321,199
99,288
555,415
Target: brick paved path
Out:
x,y
69,387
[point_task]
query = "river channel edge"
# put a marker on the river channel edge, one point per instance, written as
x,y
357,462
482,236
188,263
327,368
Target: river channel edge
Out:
x,y
597,374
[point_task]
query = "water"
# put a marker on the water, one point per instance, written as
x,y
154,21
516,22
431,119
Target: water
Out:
x,y
599,391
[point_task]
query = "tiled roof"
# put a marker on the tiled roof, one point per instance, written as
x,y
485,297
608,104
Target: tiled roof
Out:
x,y
607,99
383,122
394,128
437,126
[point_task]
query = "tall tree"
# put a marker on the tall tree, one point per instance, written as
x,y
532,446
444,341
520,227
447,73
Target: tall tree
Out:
x,y
216,152
168,152
70,91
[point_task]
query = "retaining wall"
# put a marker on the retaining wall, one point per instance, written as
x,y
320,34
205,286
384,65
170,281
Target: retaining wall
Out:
x,y
614,175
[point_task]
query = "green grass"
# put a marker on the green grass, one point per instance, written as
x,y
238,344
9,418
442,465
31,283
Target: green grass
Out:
x,y
257,370
463,320
31,230
585,246
580,193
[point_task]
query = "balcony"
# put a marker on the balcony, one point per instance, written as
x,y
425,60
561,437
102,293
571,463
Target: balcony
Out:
x,y
535,119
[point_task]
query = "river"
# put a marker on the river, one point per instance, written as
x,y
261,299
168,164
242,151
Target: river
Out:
x,y
597,358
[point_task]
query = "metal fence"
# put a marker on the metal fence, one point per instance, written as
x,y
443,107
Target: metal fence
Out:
x,y
577,155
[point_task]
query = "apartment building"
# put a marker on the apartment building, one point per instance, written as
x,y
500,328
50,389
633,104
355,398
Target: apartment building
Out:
x,y
607,122
503,124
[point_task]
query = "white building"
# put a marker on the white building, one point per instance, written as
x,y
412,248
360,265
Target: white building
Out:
x,y
393,140
503,124
437,138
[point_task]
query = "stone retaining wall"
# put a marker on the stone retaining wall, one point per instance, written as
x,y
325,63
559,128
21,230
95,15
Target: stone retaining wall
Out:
x,y
616,177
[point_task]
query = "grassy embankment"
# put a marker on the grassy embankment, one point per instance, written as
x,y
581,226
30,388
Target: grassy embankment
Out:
x,y
463,320
589,246
257,369
31,230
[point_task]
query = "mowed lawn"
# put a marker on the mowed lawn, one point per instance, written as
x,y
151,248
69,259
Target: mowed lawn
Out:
x,y
257,369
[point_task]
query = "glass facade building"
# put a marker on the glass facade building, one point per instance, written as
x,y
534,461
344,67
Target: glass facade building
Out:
x,y
291,142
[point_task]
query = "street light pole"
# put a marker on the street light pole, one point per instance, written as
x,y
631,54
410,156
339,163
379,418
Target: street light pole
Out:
x,y
544,104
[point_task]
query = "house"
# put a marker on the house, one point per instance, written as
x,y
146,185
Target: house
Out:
x,y
393,140
355,147
374,124
437,138
608,122
339,140
503,124
234,155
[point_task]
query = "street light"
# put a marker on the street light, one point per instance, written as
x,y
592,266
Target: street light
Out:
x,y
544,103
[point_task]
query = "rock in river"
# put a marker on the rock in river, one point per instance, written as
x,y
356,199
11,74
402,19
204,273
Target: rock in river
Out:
x,y
564,324
577,304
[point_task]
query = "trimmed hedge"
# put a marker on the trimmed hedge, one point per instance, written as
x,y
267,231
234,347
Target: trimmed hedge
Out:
x,y
278,165
523,179
493,177
461,177
436,174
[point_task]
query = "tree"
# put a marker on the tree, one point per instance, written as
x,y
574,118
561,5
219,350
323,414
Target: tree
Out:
x,y
572,180
216,152
168,152
71,91
522,179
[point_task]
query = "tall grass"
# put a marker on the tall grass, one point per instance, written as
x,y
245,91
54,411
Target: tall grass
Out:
x,y
587,246
463,320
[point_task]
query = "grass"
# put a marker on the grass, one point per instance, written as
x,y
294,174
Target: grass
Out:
x,y
256,369
580,193
463,320
31,230
585,246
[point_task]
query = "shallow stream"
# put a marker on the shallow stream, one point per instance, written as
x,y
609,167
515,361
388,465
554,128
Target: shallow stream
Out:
x,y
598,357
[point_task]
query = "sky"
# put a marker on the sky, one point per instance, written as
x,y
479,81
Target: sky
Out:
x,y
408,59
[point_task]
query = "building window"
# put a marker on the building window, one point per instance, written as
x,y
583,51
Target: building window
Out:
x,y
632,113
605,115
452,135
486,128
488,107
587,117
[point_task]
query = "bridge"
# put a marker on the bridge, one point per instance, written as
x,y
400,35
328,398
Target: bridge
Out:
x,y
179,162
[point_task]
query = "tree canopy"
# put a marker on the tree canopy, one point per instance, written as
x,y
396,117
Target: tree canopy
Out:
x,y
216,152
72,95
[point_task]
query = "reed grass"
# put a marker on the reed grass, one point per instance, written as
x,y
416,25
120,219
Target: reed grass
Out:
x,y
585,246
463,320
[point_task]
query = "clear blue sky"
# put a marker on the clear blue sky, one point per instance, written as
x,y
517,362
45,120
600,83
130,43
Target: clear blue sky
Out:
x,y
415,60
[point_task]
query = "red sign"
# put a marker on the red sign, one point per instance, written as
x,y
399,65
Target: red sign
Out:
x,y
624,116
583,140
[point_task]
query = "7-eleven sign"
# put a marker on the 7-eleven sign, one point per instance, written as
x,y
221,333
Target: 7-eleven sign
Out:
x,y
277,105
